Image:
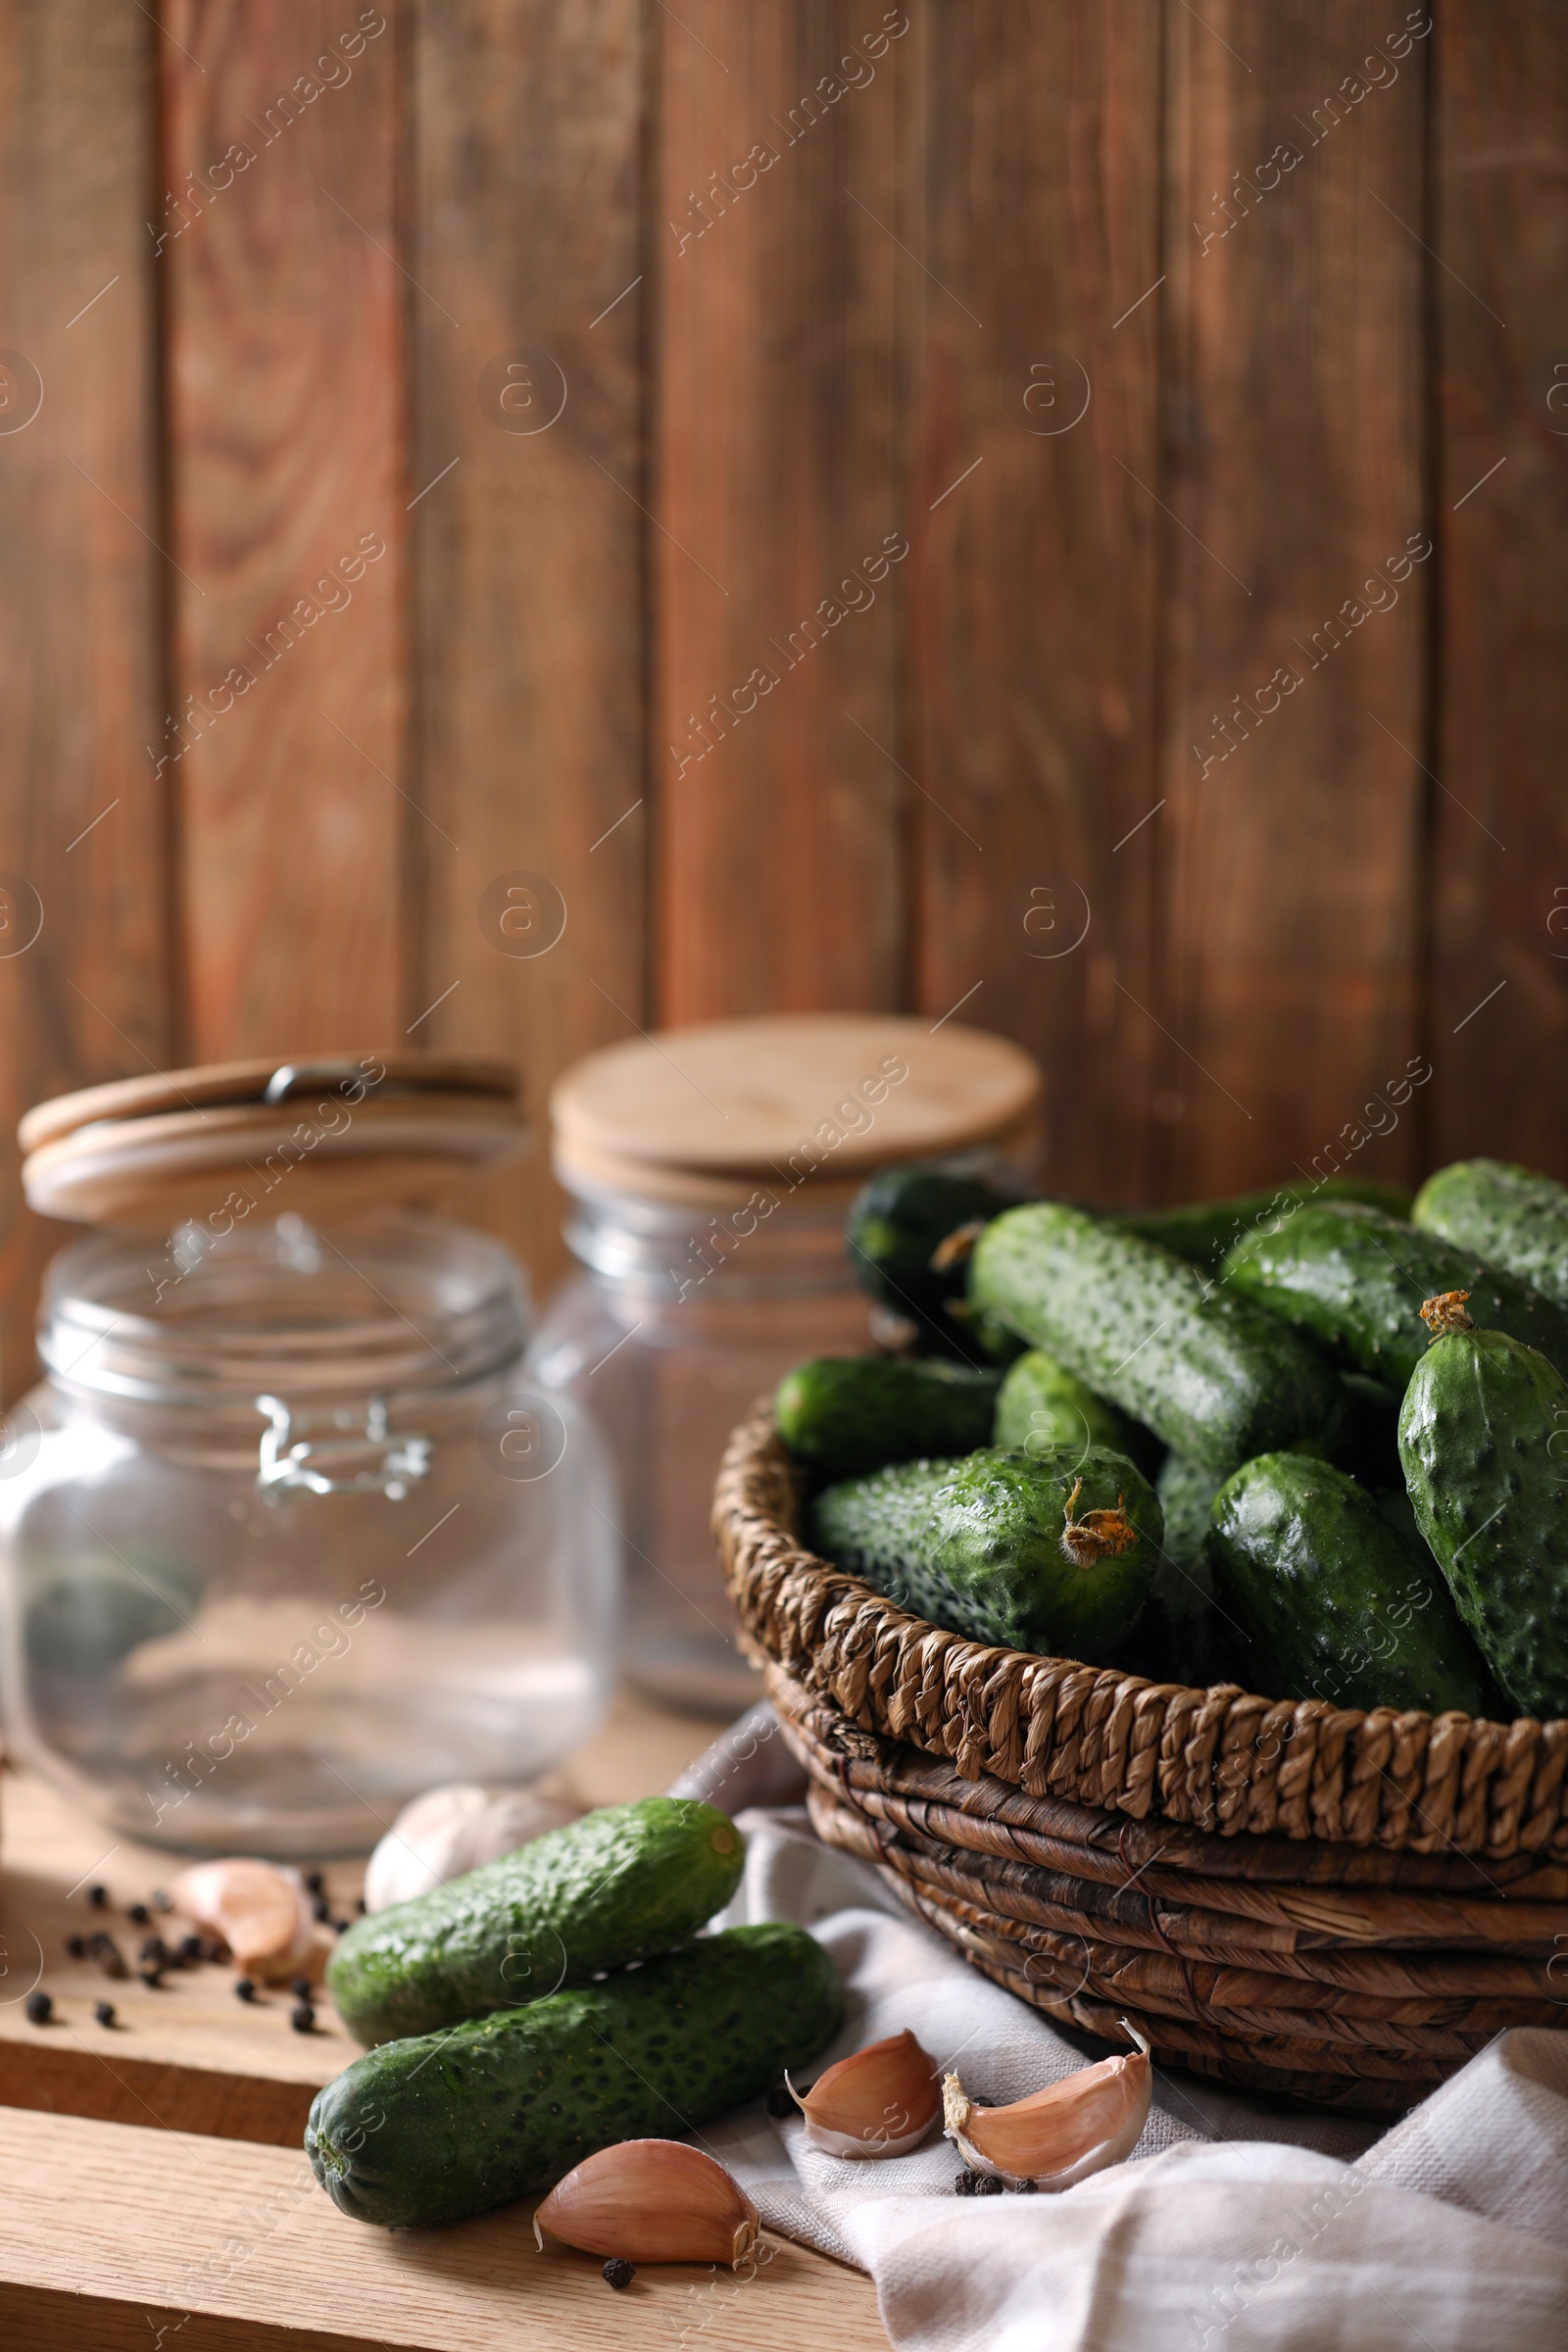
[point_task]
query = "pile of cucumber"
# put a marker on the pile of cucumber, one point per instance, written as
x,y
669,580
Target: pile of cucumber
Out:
x,y
553,2003
1314,1440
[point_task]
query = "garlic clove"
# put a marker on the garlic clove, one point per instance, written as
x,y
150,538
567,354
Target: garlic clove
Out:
x,y
261,1910
650,2201
1062,2134
881,2101
450,1831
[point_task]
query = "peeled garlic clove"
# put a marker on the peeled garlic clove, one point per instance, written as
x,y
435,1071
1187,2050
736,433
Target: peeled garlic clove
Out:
x,y
261,1910
880,2102
650,2201
450,1831
1060,2135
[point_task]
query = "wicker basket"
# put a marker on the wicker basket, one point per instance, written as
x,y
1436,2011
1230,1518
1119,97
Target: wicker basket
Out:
x,y
1301,1898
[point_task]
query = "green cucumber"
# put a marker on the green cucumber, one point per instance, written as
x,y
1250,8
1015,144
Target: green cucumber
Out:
x,y
845,1413
446,2124
1484,1439
1186,1490
1212,1374
989,1550
897,1223
1205,1230
1513,1218
1354,1280
874,1527
617,1886
1341,1608
1043,1404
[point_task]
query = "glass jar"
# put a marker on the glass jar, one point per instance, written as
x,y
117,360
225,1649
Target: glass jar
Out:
x,y
678,1323
284,1538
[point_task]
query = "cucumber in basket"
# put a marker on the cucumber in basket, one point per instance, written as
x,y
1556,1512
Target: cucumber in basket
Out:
x,y
450,2124
1043,1404
1513,1218
617,1885
1339,1604
845,1414
1213,1375
1355,1281
1053,1551
1483,1437
1205,1230
897,1225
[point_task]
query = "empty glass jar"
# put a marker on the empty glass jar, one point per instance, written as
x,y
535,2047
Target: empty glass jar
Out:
x,y
285,1537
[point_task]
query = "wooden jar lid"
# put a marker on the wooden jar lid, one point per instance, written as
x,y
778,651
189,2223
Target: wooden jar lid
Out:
x,y
324,1135
694,1115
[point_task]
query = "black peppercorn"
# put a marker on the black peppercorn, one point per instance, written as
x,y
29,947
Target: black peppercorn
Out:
x,y
153,1952
41,2008
302,2017
151,1974
619,2273
76,1946
315,1883
302,1989
341,1927
161,1900
987,2186
963,2183
98,1896
244,1989
108,1954
191,1949
140,1915
781,2102
360,1906
104,2012
1026,2188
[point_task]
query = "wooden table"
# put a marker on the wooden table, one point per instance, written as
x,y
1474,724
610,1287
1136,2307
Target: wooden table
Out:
x,y
153,2191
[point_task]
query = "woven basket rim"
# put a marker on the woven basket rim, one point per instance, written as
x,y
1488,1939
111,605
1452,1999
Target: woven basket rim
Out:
x,y
1222,1759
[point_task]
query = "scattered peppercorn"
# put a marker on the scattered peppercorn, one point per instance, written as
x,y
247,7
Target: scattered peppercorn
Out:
x,y
315,1883
963,2183
153,1953
98,1896
151,1974
341,1927
302,2017
76,1946
192,1948
104,2012
140,1915
320,1908
360,1906
41,2008
161,1902
619,2273
106,1951
244,1989
1025,2188
302,1989
779,2101
987,2186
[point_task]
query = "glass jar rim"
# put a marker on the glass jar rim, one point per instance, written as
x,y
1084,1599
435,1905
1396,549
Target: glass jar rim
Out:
x,y
397,1302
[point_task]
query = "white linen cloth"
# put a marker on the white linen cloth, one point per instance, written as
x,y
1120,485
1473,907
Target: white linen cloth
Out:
x,y
1232,2228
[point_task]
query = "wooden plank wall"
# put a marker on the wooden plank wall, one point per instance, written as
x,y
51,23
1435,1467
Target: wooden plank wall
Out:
x,y
1055,516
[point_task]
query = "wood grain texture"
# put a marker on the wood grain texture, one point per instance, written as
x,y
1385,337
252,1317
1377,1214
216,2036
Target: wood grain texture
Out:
x,y
284,392
526,239
1499,1019
1288,842
214,2246
1032,662
82,824
779,483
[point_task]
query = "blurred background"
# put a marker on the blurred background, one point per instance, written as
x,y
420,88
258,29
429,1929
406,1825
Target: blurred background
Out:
x,y
529,520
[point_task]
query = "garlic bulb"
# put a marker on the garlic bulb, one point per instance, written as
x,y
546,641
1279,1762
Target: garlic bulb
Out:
x,y
450,1831
261,1909
1060,2135
880,2102
650,2201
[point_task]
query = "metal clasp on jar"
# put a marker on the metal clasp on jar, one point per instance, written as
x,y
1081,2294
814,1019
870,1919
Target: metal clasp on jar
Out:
x,y
366,1462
